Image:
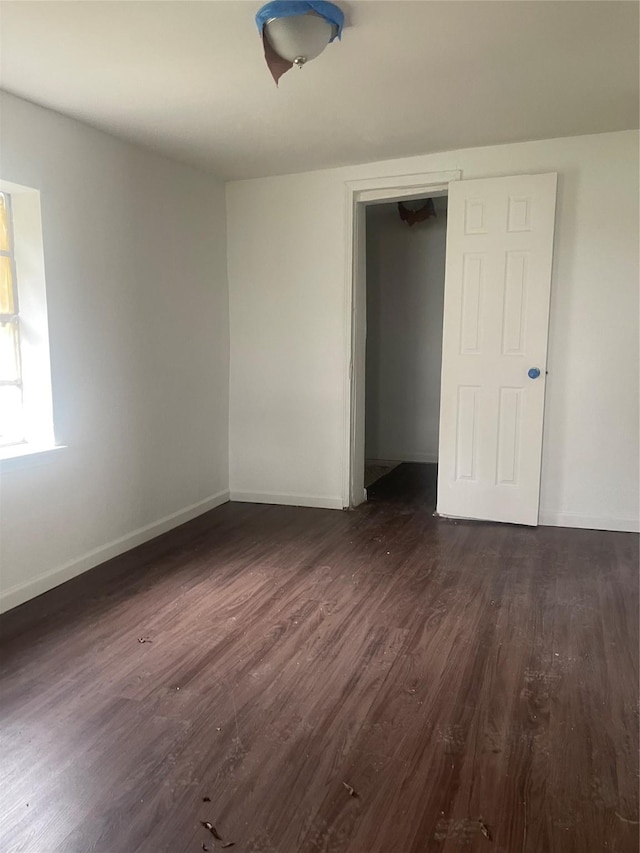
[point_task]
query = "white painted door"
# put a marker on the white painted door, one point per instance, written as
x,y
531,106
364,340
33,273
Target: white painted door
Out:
x,y
496,318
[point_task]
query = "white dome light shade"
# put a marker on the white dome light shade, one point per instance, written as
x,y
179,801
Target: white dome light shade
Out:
x,y
296,31
299,38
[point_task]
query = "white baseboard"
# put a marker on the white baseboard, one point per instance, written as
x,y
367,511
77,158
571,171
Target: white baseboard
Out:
x,y
20,593
570,519
429,458
284,499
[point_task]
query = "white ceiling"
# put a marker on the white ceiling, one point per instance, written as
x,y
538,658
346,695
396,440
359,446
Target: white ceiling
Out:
x,y
188,78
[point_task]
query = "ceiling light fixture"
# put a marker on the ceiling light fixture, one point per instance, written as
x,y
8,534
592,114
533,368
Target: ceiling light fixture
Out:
x,y
296,31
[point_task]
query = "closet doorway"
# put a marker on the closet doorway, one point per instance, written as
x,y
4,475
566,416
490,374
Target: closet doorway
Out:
x,y
499,254
405,271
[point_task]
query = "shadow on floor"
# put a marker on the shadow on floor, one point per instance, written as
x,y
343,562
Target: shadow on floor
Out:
x,y
411,484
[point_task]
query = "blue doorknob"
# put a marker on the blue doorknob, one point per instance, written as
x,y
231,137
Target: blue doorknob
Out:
x,y
533,372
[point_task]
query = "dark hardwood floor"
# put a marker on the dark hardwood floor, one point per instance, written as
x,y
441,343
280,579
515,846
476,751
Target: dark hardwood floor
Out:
x,y
475,684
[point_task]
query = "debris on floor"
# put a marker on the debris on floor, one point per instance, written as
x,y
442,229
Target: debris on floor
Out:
x,y
484,829
625,819
211,828
352,791
206,799
144,640
208,825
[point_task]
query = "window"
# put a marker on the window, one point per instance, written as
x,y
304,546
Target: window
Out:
x,y
11,408
26,411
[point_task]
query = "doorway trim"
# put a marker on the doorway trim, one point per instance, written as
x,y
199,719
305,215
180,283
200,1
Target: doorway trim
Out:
x,y
357,195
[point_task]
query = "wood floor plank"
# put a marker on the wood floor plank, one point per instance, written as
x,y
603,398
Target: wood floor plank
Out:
x,y
475,684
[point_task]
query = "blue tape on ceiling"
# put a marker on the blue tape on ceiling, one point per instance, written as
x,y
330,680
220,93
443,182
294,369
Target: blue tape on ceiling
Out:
x,y
289,8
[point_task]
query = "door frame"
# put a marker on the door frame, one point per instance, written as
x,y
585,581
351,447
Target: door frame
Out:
x,y
358,194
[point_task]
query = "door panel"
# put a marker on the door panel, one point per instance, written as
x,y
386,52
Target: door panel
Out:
x,y
496,317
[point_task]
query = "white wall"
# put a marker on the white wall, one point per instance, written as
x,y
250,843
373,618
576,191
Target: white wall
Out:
x,y
405,299
135,261
286,264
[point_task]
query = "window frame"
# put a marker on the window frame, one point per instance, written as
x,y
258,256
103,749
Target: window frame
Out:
x,y
14,318
27,246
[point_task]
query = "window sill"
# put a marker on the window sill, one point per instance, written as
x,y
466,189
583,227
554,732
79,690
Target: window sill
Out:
x,y
20,456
